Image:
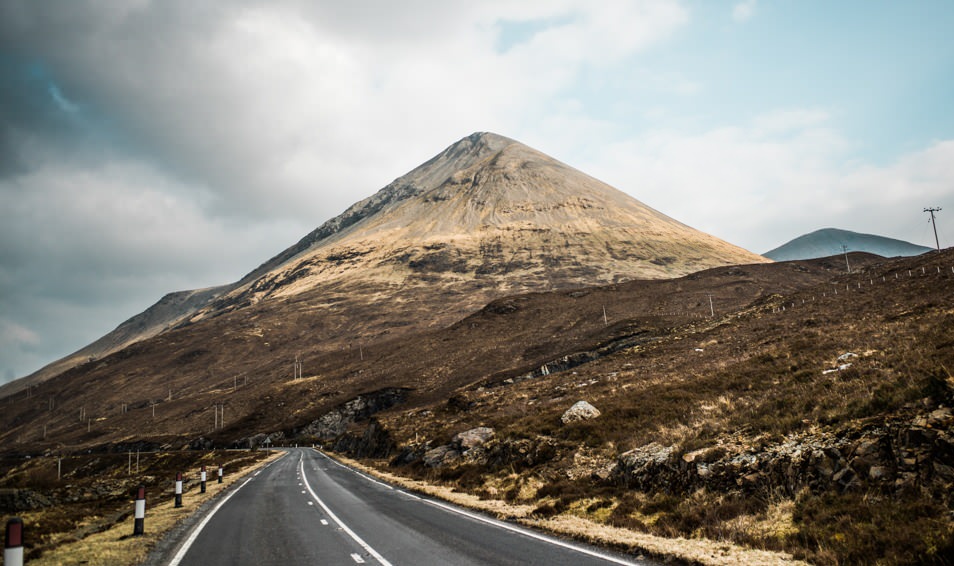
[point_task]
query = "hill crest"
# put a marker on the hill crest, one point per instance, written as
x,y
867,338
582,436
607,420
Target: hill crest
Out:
x,y
829,241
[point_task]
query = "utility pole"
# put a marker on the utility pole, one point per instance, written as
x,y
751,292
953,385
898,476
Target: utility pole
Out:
x,y
934,225
844,248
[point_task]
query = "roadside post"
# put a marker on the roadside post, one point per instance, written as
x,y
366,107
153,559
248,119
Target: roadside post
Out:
x,y
140,513
220,473
178,489
202,480
13,543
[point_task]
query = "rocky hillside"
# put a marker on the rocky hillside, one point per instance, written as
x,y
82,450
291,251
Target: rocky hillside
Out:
x,y
787,406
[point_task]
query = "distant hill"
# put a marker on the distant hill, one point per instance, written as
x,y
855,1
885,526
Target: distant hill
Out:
x,y
829,241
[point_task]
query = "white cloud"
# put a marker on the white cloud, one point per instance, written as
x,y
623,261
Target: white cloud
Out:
x,y
13,333
743,11
785,174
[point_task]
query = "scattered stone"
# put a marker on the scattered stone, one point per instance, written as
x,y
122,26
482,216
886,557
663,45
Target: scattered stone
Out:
x,y
473,437
441,456
581,411
15,500
878,472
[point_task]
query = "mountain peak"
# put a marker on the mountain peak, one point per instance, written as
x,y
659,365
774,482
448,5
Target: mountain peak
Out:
x,y
490,209
488,138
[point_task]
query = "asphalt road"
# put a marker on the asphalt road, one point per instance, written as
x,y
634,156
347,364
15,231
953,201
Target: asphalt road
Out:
x,y
307,509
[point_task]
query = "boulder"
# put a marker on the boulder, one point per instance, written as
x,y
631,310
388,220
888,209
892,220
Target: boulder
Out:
x,y
581,411
473,437
441,456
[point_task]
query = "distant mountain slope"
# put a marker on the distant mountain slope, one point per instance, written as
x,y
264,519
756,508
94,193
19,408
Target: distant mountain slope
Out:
x,y
829,241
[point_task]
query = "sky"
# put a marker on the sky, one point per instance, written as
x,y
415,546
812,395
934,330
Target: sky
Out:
x,y
154,146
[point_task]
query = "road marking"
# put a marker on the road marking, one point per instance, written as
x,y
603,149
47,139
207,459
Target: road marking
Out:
x,y
502,525
369,478
341,524
324,522
303,491
357,558
311,503
198,528
530,534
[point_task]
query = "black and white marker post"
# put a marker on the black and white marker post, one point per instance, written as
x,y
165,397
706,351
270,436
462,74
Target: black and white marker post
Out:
x,y
220,473
178,489
13,543
202,480
140,514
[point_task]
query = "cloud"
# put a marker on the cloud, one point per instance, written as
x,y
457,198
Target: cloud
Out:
x,y
11,332
155,146
743,11
784,174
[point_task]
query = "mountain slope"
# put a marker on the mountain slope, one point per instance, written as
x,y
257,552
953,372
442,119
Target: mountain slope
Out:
x,y
829,241
491,210
486,217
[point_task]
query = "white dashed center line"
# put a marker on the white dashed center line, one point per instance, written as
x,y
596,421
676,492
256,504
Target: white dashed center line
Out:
x,y
377,556
357,558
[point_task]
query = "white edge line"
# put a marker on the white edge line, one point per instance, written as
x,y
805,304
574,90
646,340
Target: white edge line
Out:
x,y
367,477
341,524
530,533
502,524
198,528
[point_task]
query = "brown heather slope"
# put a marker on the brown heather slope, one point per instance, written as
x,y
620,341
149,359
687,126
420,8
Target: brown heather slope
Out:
x,y
731,428
803,421
244,359
485,218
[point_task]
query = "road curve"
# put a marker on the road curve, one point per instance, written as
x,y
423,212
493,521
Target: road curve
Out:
x,y
305,508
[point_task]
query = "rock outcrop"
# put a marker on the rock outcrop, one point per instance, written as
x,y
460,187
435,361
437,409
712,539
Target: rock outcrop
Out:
x,y
888,457
334,423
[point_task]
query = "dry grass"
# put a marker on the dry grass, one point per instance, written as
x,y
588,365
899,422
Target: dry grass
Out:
x,y
699,551
116,545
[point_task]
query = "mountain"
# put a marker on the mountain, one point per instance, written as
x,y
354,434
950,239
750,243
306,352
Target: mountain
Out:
x,y
829,241
488,216
493,211
445,329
